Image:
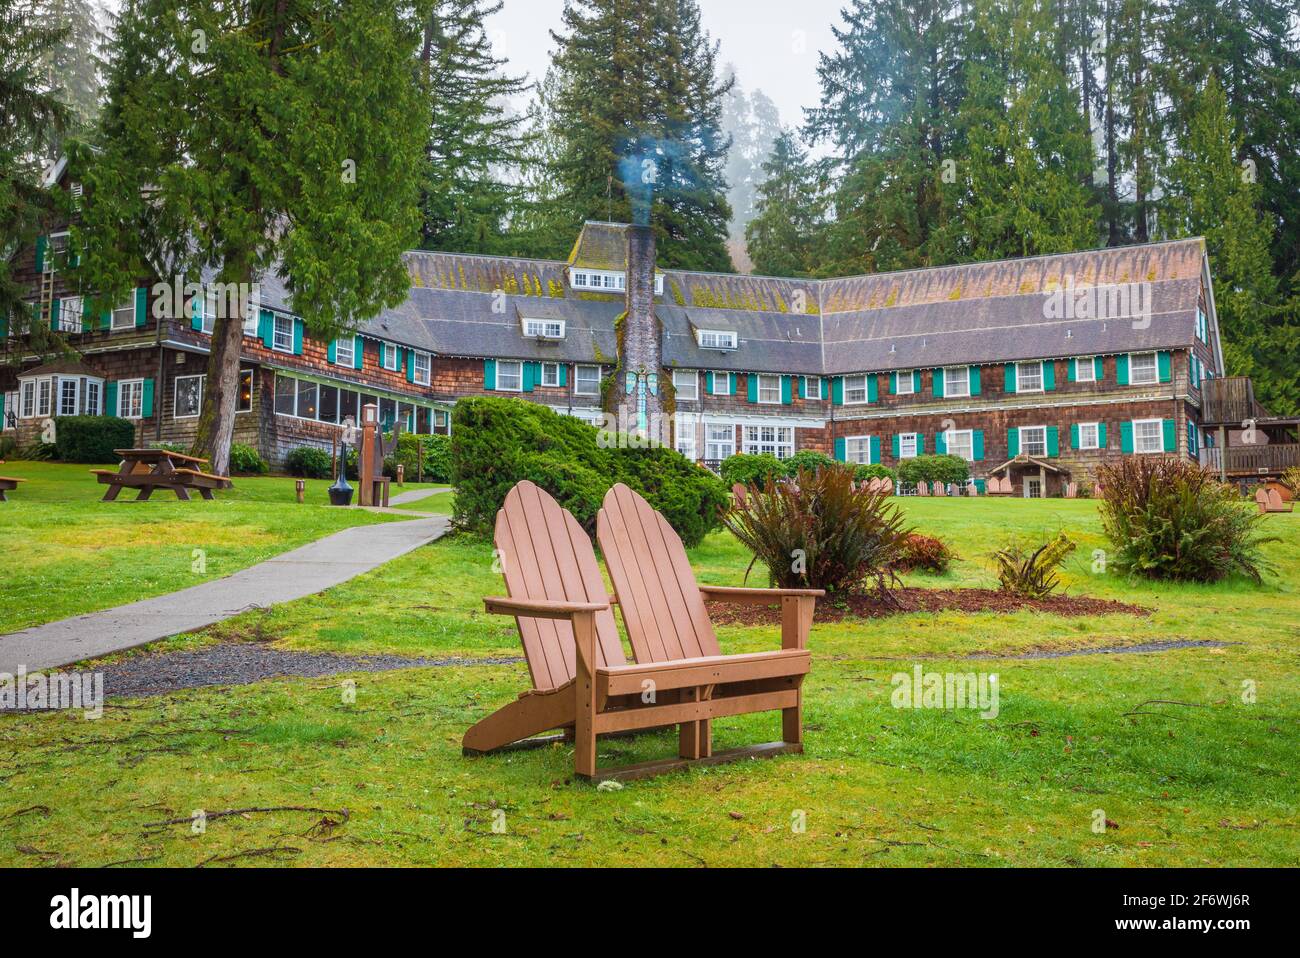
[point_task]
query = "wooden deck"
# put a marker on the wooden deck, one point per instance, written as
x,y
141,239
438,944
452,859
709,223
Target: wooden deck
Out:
x,y
1272,459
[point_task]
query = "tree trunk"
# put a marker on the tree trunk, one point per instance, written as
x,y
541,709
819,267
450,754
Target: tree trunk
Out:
x,y
221,393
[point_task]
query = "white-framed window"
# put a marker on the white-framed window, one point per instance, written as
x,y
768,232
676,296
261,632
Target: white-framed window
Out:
x,y
187,397
956,381
345,352
907,383
510,376
1029,377
606,280
769,390
544,328
855,390
69,393
1089,435
685,428
123,317
716,339
1148,435
70,314
252,313
55,251
907,443
27,400
94,393
857,449
550,374
812,387
422,367
1033,441
719,441
130,398
388,356
208,317
282,335
774,440
686,383
1143,369
44,396
961,443
1085,370
586,381
721,384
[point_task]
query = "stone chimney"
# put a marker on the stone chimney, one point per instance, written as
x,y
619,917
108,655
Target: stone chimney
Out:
x,y
639,393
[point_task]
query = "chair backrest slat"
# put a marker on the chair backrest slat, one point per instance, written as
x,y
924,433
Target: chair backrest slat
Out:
x,y
545,554
661,602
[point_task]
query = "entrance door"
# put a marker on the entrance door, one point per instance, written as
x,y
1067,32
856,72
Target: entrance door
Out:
x,y
1033,488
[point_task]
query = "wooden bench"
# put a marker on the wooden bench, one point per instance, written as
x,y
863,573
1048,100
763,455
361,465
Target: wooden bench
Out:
x,y
8,484
150,469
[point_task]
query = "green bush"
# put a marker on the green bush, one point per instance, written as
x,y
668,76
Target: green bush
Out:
x,y
309,462
497,442
809,459
1168,518
1031,572
247,461
751,470
923,554
92,439
437,458
874,471
943,469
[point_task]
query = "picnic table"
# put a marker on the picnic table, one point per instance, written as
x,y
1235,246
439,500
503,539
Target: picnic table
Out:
x,y
8,484
150,469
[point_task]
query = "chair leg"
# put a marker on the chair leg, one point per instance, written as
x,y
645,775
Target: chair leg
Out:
x,y
792,723
584,726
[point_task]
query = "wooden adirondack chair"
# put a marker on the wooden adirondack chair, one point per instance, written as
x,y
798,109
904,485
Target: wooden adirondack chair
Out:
x,y
922,488
582,682
1270,500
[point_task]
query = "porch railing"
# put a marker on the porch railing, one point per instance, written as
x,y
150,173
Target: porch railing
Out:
x,y
1271,459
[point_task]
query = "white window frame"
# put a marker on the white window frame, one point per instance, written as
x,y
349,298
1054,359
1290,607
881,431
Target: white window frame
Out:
x,y
517,375
903,439
135,387
421,367
907,383
387,350
1132,371
346,346
208,313
1024,442
27,399
70,318
725,447
54,249
765,386
60,382
550,374
684,437
949,385
721,383
777,445
577,380
1085,369
1021,368
686,383
44,397
716,338
542,328
855,446
849,390
1095,442
93,409
128,310
956,437
279,324
1159,434
176,392
812,387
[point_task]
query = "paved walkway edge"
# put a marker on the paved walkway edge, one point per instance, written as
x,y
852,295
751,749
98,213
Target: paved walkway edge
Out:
x,y
304,571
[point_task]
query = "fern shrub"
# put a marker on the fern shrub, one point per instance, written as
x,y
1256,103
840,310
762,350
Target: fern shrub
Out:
x,y
1029,571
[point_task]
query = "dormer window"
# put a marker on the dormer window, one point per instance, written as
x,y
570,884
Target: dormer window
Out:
x,y
544,328
715,339
606,280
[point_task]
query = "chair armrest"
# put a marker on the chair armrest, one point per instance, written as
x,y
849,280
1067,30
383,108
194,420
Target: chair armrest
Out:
x,y
726,593
540,608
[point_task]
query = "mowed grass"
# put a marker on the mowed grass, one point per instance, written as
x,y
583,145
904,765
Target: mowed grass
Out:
x,y
1208,781
67,553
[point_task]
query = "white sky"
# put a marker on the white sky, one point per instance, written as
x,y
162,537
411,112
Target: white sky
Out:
x,y
773,43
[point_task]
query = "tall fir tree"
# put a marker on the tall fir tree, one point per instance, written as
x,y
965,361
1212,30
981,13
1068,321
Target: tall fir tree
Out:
x,y
1139,26
784,237
283,136
751,121
472,185
639,77
74,63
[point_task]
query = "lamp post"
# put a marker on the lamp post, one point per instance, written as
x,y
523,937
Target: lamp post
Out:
x,y
341,491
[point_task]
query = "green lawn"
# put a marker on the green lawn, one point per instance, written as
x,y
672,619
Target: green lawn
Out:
x,y
66,552
1209,782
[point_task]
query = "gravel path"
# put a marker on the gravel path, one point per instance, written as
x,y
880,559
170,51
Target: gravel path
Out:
x,y
1140,648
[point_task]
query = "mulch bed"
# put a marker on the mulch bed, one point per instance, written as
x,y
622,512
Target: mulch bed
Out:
x,y
926,600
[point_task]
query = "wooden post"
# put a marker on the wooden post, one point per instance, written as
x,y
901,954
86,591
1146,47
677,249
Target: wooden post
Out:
x,y
366,458
419,460
1223,453
300,487
401,474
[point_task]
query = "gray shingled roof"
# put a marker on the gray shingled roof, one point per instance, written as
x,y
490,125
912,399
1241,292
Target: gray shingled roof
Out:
x,y
768,342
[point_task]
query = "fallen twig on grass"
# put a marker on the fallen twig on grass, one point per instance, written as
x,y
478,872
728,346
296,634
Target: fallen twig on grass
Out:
x,y
1138,710
43,810
286,851
226,813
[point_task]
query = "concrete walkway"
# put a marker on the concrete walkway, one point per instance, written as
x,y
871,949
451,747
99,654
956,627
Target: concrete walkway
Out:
x,y
302,572
415,495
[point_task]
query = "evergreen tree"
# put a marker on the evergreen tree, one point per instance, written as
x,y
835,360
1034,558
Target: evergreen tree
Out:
x,y
638,78
784,237
475,144
1141,151
282,135
73,64
753,124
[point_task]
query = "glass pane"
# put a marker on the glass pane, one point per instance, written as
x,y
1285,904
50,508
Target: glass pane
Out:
x,y
285,395
306,400
329,404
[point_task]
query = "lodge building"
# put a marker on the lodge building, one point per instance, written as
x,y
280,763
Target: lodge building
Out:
x,y
1036,369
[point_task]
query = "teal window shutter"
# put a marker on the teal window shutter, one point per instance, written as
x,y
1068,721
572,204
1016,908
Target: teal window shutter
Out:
x,y
708,383
41,244
1009,378
489,374
1121,370
1049,376
332,351
873,387
106,320
146,400
896,446
141,306
1013,442
4,327
875,450
751,383
358,352
196,314
941,443
297,337
893,384
731,384
1166,366
980,486
1171,436
530,376
977,444
803,387
266,329
1072,371
916,381
1099,369
920,444
410,365
787,388
975,381
1074,435
936,380
837,390
1101,435
54,316
110,399
1126,436
564,374
840,454
1053,441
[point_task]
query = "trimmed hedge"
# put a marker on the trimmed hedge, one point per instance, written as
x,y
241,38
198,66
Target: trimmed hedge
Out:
x,y
943,469
809,460
309,462
874,471
247,461
497,442
92,439
437,458
751,470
